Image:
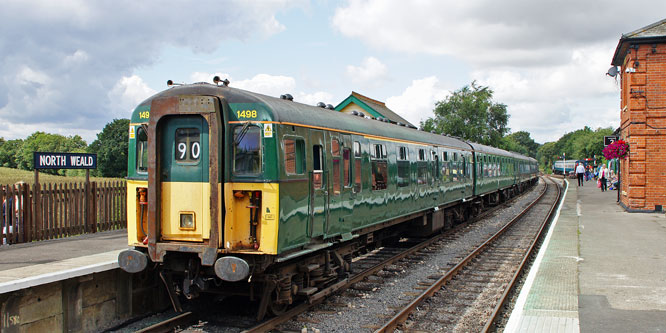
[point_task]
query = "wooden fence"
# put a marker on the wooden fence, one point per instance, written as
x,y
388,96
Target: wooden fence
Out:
x,y
60,210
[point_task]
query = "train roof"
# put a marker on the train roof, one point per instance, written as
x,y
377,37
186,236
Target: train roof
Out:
x,y
288,111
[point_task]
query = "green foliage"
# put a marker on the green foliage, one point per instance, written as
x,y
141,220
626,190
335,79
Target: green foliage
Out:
x,y
45,142
471,114
580,144
520,142
9,152
111,149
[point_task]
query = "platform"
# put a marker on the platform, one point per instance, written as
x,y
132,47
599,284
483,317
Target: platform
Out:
x,y
601,269
37,263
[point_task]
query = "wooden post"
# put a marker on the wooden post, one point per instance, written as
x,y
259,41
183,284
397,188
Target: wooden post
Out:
x,y
37,215
89,206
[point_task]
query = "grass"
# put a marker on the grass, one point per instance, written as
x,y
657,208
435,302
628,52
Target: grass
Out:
x,y
11,176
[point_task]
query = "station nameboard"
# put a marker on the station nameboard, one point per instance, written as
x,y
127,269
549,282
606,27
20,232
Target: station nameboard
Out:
x,y
609,139
64,160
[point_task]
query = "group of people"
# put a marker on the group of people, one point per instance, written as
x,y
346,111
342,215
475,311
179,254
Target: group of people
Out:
x,y
603,175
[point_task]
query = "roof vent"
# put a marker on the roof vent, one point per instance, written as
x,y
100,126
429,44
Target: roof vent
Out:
x,y
330,107
354,112
287,97
361,114
401,124
321,105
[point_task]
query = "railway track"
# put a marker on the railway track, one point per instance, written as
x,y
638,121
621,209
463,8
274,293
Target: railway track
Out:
x,y
370,271
470,295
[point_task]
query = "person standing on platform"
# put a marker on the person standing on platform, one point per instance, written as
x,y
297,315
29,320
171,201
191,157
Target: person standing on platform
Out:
x,y
580,172
603,174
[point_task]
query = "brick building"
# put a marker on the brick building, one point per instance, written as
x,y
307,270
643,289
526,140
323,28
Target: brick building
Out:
x,y
641,57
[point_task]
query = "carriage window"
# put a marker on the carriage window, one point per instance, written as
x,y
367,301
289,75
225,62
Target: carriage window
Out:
x,y
247,150
435,166
421,168
335,152
403,154
445,156
357,166
335,147
403,167
357,149
317,163
187,147
141,150
346,156
422,155
379,168
294,156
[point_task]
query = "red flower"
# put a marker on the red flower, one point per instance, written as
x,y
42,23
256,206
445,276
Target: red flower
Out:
x,y
618,149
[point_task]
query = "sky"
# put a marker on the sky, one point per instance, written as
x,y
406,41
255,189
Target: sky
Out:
x,y
72,66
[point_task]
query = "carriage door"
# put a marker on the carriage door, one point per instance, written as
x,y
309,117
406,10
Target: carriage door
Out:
x,y
318,184
185,189
339,183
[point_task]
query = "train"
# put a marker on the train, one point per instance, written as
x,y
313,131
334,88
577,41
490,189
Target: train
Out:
x,y
566,167
238,193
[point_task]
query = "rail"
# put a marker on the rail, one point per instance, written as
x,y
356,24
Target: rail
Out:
x,y
403,314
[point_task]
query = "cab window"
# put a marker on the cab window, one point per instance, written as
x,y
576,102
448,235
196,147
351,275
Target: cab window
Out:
x,y
187,146
247,150
141,150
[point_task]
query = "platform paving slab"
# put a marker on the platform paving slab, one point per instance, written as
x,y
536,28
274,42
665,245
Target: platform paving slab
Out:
x,y
614,261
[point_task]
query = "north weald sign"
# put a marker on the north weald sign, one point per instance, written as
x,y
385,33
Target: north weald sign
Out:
x,y
64,160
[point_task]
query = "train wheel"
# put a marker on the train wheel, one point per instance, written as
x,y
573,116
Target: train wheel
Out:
x,y
276,308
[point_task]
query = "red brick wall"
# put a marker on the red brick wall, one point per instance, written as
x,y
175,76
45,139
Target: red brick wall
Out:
x,y
643,123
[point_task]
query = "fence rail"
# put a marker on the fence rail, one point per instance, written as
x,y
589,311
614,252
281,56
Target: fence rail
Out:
x,y
50,211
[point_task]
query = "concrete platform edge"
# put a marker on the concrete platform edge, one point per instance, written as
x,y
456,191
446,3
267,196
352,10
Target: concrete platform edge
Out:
x,y
517,315
37,280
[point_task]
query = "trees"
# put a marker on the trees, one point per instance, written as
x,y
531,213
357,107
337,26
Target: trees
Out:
x,y
579,144
40,141
520,142
471,114
111,149
9,152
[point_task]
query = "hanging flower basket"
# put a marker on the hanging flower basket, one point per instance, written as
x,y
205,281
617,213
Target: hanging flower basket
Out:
x,y
618,149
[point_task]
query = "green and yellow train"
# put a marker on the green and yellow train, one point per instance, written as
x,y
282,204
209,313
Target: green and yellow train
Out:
x,y
236,192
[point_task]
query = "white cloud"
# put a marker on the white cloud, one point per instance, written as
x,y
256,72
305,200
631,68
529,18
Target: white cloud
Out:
x,y
545,60
127,94
71,62
487,32
418,100
370,73
550,101
270,85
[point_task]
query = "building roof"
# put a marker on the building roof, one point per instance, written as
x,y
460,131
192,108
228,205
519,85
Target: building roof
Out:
x,y
653,33
372,107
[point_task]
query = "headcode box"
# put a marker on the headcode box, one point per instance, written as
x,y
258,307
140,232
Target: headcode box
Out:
x,y
64,160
